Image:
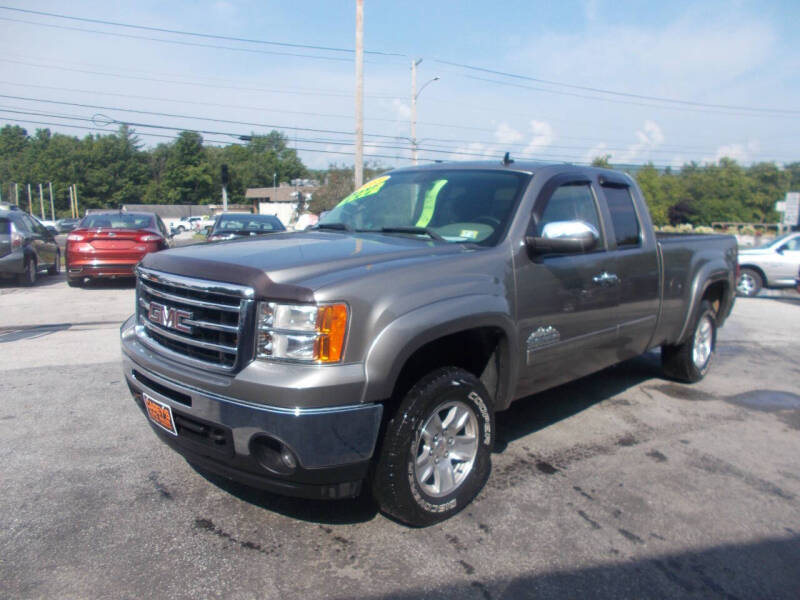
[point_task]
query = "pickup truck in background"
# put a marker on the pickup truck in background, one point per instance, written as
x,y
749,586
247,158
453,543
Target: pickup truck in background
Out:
x,y
378,346
773,265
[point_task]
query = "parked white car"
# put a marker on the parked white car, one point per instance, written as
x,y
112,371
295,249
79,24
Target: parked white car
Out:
x,y
773,265
194,223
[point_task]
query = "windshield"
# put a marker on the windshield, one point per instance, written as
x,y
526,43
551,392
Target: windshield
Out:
x,y
775,242
117,221
249,223
456,206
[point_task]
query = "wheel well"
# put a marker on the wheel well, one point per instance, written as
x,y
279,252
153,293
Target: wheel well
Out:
x,y
716,293
481,351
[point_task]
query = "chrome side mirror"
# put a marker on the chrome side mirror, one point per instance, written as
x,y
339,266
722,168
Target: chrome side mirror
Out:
x,y
564,237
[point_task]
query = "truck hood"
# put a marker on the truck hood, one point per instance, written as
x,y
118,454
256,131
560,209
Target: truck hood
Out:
x,y
280,266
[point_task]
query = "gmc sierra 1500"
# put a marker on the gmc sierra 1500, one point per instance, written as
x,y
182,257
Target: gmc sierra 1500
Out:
x,y
379,345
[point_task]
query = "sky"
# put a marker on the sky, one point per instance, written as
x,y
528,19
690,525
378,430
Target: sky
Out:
x,y
666,83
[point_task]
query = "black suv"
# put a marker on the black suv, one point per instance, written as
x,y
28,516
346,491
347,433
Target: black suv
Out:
x,y
26,248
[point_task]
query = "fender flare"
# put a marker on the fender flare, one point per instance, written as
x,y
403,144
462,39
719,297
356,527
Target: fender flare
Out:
x,y
709,273
406,334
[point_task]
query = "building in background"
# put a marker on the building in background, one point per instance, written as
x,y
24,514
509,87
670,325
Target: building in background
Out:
x,y
287,202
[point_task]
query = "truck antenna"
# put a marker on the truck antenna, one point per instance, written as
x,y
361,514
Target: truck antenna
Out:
x,y
507,160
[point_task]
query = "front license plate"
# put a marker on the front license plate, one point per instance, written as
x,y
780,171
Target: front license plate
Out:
x,y
160,414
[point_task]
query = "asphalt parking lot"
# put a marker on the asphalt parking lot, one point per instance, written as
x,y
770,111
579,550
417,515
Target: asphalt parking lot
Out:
x,y
622,484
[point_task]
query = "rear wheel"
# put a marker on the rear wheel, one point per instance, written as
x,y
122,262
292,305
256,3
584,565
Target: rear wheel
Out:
x,y
28,276
690,361
436,453
750,283
75,281
54,270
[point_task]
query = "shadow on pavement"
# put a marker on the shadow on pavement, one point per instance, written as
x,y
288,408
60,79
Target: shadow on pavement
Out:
x,y
531,414
761,569
332,512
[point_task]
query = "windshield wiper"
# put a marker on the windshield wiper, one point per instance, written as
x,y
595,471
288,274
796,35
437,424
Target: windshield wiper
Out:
x,y
416,230
334,226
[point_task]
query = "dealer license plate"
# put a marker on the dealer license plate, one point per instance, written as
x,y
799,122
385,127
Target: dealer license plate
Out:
x,y
160,414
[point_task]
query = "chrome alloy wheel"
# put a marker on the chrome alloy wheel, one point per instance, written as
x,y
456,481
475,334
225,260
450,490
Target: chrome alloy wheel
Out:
x,y
746,285
446,449
703,342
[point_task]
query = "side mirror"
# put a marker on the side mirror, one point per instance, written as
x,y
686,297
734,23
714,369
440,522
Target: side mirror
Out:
x,y
564,237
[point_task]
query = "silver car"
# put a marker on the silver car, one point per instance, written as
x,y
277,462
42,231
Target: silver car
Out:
x,y
773,265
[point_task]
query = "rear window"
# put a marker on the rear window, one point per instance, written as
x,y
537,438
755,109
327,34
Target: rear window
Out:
x,y
5,226
117,221
249,223
623,215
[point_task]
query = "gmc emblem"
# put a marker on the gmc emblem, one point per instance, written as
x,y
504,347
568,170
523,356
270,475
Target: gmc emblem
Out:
x,y
172,318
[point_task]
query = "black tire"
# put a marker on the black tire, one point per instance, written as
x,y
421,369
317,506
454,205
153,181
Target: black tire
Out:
x,y
54,270
681,362
28,277
750,283
75,281
396,484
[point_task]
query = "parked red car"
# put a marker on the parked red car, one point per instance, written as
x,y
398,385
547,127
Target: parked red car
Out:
x,y
110,244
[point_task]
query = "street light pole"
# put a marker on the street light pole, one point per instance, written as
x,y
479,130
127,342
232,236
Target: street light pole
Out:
x,y
414,95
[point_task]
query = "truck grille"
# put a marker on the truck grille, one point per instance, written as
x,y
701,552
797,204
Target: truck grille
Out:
x,y
202,323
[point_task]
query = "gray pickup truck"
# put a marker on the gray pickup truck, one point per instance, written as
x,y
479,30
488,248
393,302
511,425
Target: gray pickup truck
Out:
x,y
378,346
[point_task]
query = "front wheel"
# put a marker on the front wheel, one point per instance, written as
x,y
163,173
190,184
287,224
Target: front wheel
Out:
x,y
749,284
436,453
689,362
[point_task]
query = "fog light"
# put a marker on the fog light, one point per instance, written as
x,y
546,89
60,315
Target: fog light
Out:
x,y
273,455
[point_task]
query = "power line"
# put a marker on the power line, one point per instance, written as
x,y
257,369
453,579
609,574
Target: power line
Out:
x,y
615,93
197,118
298,92
177,42
597,90
194,34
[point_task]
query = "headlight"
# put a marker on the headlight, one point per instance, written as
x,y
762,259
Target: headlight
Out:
x,y
309,333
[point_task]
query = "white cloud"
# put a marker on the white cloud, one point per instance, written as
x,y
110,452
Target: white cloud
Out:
x,y
543,136
504,134
648,138
590,9
741,153
596,151
401,109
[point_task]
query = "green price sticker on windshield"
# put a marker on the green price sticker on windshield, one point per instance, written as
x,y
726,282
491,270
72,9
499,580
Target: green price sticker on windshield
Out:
x,y
368,189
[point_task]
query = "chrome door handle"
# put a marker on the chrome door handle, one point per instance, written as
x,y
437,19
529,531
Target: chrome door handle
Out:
x,y
605,278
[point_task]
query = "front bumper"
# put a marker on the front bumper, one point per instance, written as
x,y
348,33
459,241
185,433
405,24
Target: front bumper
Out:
x,y
333,445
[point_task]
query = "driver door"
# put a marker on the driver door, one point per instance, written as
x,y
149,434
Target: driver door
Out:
x,y
566,302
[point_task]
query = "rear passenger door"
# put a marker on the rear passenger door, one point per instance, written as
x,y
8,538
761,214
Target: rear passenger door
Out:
x,y
566,303
633,245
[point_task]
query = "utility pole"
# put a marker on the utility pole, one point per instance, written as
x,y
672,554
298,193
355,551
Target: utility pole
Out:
x,y
41,201
52,204
75,191
71,202
359,158
16,193
30,203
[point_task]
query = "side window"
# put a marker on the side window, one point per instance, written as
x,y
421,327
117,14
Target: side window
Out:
x,y
572,202
35,226
792,245
623,216
21,223
161,227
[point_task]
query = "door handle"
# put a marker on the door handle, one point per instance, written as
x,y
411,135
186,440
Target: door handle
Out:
x,y
606,279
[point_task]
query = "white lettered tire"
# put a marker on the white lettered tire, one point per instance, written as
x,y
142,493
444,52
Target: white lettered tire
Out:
x,y
436,452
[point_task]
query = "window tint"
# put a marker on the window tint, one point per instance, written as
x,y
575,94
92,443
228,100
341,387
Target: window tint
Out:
x,y
572,202
623,215
243,222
